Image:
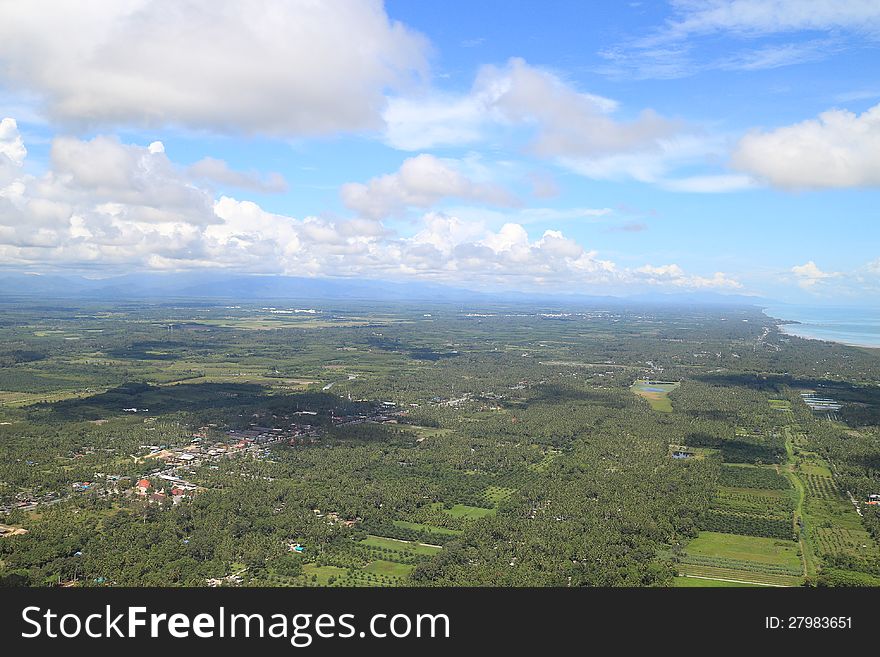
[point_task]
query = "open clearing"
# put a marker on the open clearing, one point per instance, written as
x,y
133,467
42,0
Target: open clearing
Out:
x,y
745,548
656,393
432,529
696,581
465,511
388,568
399,545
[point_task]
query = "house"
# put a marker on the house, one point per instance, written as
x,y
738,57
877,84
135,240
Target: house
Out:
x,y
143,486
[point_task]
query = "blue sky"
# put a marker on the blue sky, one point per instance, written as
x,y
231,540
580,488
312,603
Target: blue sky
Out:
x,y
604,147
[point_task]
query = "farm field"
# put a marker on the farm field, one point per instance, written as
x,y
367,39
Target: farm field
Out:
x,y
745,548
397,545
465,511
656,393
427,528
747,559
685,582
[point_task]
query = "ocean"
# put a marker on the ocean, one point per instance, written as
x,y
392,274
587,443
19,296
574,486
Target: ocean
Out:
x,y
852,326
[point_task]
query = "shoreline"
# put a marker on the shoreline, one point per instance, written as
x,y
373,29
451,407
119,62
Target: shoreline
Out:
x,y
790,327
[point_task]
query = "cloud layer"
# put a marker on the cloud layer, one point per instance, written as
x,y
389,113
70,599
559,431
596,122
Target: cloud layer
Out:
x,y
277,67
105,204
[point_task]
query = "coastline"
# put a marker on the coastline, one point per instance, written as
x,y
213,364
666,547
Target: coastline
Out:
x,y
825,328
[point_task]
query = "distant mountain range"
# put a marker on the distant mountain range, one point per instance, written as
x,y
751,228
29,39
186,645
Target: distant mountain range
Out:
x,y
242,287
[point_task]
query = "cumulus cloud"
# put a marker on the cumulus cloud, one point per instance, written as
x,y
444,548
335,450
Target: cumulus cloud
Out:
x,y
839,149
277,67
674,275
11,144
809,275
120,207
420,182
218,171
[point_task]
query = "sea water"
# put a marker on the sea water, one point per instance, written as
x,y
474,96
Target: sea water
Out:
x,y
853,326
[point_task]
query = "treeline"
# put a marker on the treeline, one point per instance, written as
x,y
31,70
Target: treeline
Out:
x,y
745,477
747,524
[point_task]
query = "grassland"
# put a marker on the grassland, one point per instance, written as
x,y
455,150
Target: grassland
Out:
x,y
746,548
432,529
656,393
466,511
398,545
696,581
749,559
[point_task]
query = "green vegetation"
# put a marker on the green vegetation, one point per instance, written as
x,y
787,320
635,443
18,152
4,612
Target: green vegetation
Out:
x,y
657,393
465,511
685,581
745,548
376,446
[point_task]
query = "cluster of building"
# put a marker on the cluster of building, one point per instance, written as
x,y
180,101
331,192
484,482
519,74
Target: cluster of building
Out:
x,y
820,404
27,501
163,491
257,435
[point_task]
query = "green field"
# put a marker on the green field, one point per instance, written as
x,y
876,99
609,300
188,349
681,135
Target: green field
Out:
x,y
388,568
322,574
746,548
656,393
400,546
465,511
433,529
684,582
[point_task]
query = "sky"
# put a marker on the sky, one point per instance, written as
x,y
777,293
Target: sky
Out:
x,y
602,147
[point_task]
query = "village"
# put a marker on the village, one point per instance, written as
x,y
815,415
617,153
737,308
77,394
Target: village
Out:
x,y
168,481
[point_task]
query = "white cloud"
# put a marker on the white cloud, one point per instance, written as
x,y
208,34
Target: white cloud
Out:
x,y
674,275
218,171
710,184
415,123
119,207
277,67
119,178
11,144
566,122
773,16
526,216
651,164
839,149
420,182
569,123
577,130
688,42
809,274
